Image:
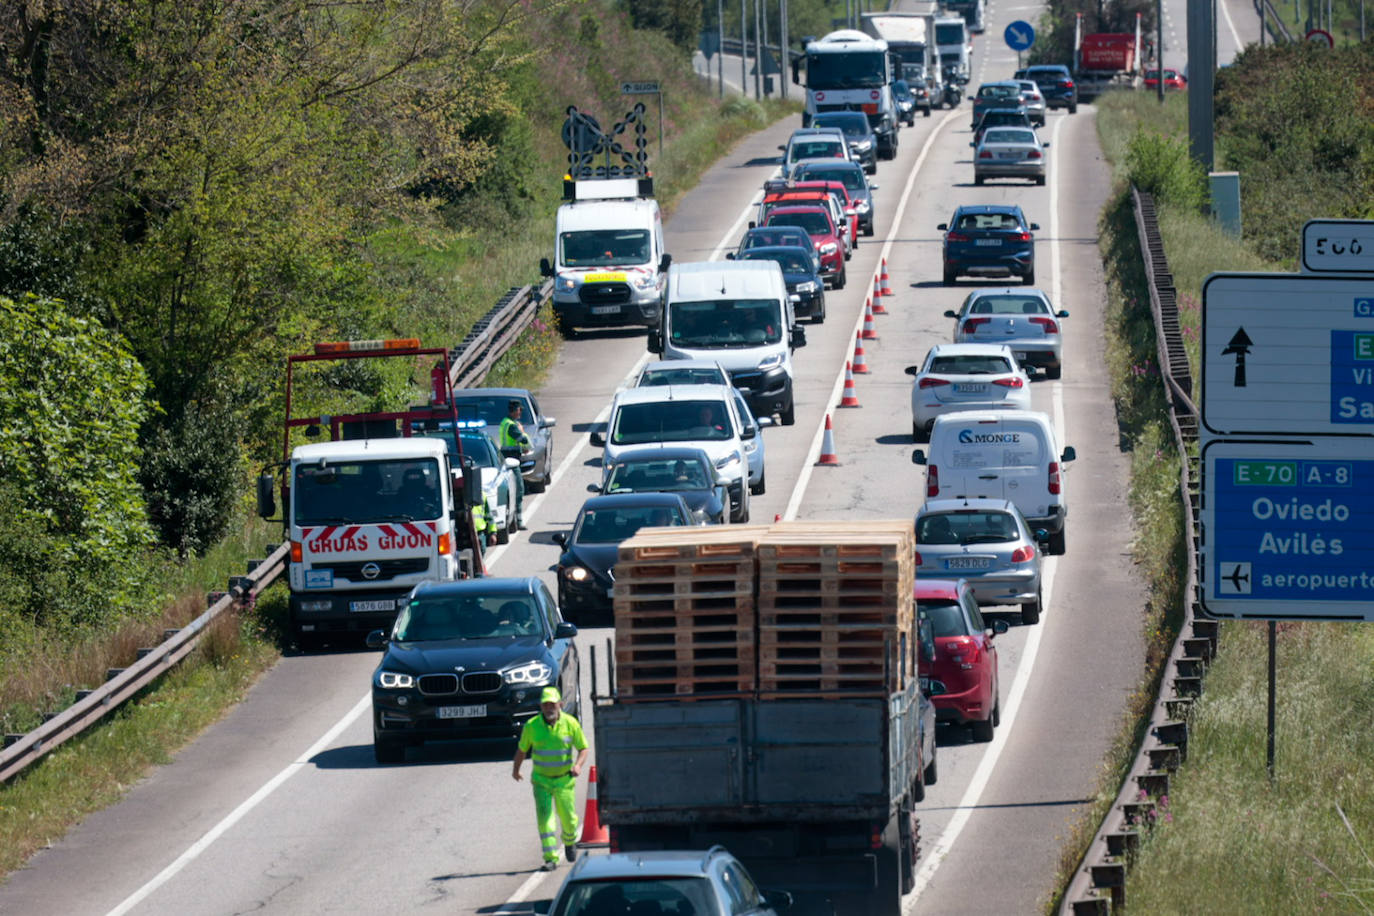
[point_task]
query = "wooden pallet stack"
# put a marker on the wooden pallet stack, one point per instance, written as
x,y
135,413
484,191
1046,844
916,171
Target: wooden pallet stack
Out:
x,y
835,607
685,619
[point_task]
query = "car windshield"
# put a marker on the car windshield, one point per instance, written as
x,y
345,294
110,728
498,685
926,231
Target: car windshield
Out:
x,y
852,127
635,896
988,221
776,235
950,34
491,409
946,617
970,364
815,149
791,263
605,247
725,323
813,221
966,527
1010,136
366,492
477,445
445,617
692,375
866,70
999,92
671,421
657,475
851,178
614,524
1008,305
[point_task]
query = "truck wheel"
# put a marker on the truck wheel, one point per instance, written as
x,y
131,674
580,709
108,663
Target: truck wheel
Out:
x,y
388,751
566,329
910,849
886,897
1055,371
1057,543
932,773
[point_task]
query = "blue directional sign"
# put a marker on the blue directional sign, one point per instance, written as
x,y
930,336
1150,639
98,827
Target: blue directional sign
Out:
x,y
1288,530
1019,35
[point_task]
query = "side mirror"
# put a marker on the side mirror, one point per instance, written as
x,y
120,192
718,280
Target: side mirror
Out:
x,y
654,342
267,500
1068,454
545,268
971,143
729,255
1062,313
665,262
1000,626
918,456
778,900
1035,227
377,639
749,432
765,422
513,463
541,907
943,227
753,225
1045,144
782,149
597,439
798,337
565,630
950,313
912,370
593,488
561,537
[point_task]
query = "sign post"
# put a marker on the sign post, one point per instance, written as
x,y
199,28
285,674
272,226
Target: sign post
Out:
x,y
648,88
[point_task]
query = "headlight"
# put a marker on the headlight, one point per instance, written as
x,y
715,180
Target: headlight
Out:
x,y
395,680
649,281
862,205
576,573
528,673
770,362
567,283
829,248
728,461
806,286
863,145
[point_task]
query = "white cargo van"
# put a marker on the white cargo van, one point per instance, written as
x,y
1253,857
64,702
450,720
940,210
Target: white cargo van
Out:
x,y
1001,454
737,312
609,261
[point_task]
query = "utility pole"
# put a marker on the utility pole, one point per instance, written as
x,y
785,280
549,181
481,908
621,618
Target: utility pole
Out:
x,y
743,51
1264,25
1202,66
764,56
786,56
758,51
1159,47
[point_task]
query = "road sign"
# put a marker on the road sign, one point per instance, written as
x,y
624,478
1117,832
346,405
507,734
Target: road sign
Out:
x,y
1288,529
1019,35
638,88
1287,354
1321,36
1340,246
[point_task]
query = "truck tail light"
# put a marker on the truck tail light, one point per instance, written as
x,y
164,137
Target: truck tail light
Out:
x,y
1022,554
1013,382
1054,478
972,324
932,481
613,835
445,544
1049,324
929,382
875,836
297,554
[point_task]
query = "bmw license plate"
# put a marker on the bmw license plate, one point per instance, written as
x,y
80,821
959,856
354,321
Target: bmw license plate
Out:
x,y
363,607
970,388
462,712
967,563
604,309
988,242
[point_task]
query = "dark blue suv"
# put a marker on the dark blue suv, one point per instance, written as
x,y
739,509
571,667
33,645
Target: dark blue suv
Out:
x,y
1056,85
989,240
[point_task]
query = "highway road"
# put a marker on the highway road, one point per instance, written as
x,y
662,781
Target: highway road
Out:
x,y
280,808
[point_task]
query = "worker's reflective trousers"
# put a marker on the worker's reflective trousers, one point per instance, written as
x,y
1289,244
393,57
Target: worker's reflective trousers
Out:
x,y
555,796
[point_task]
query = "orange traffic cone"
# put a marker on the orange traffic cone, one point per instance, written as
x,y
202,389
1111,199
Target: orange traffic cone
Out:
x,y
850,399
869,332
860,363
594,833
887,287
828,457
877,298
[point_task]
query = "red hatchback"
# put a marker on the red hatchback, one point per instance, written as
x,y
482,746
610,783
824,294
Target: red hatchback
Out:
x,y
824,234
962,677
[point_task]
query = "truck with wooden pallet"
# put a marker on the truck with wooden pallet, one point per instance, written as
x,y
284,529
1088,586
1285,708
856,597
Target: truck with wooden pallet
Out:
x,y
763,695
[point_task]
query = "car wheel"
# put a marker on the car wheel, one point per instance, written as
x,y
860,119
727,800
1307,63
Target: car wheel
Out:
x,y
386,751
1057,543
950,274
566,329
982,728
997,708
920,432
789,416
1073,109
869,230
849,253
1055,371
978,179
1030,613
839,279
1029,278
1040,180
762,486
932,774
537,486
819,316
927,111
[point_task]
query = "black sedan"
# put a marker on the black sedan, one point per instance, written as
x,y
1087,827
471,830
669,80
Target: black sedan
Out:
x,y
585,580
804,282
685,471
468,659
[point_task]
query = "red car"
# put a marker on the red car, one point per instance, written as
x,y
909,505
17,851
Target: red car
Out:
x,y
965,661
1172,79
824,235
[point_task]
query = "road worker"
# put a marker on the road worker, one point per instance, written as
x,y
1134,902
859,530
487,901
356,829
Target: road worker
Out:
x,y
550,740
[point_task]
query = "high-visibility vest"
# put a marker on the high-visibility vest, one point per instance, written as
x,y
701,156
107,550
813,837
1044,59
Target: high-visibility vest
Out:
x,y
512,435
552,750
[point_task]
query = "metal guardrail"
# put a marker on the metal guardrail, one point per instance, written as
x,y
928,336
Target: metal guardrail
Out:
x,y
1099,886
469,362
1273,21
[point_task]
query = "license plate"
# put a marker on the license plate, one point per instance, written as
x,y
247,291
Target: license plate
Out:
x,y
1010,156
369,606
967,563
970,388
604,309
462,712
988,242
1021,357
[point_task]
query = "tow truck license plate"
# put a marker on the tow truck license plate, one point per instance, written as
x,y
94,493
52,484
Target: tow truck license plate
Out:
x,y
604,309
462,712
368,606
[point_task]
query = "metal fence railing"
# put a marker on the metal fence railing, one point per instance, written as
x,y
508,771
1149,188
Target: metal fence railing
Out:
x,y
490,338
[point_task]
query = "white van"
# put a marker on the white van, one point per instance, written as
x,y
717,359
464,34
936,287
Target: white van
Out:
x,y
1001,454
737,312
705,416
609,263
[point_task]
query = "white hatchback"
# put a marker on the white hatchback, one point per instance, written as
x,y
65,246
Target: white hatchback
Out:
x,y
965,376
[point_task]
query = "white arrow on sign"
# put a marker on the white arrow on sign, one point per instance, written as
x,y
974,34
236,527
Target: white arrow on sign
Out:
x,y
1022,38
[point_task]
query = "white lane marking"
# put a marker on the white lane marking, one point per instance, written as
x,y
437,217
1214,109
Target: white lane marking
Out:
x,y
237,814
1230,24
804,477
983,773
522,893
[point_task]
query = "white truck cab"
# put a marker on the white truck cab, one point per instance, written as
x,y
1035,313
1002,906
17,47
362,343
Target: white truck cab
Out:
x,y
847,70
739,313
954,44
609,262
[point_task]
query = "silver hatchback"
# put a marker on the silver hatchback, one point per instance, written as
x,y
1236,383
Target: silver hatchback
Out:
x,y
985,541
1022,319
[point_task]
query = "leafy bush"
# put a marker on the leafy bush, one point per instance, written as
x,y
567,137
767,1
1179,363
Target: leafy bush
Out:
x,y
1161,166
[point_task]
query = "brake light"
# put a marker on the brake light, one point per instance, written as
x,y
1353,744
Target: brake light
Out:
x,y
1054,478
929,382
1049,324
964,652
1034,154
1022,554
1022,237
955,237
1067,84
972,324
932,481
297,554
985,154
919,561
875,836
1013,382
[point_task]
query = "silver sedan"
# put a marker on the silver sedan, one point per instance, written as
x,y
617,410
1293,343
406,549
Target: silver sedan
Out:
x,y
985,541
1033,101
1009,152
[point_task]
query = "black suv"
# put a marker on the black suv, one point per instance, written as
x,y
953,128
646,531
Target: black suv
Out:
x,y
1056,85
467,659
